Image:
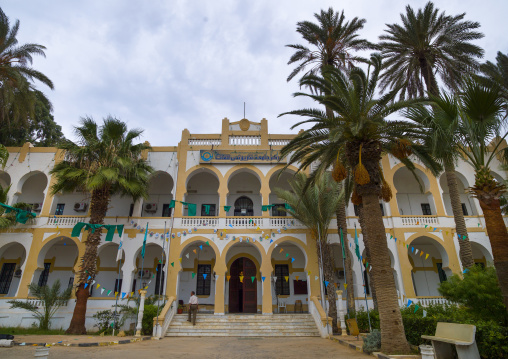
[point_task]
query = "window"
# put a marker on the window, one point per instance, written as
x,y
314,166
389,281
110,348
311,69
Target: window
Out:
x,y
244,207
118,285
211,210
464,209
441,273
281,286
6,277
203,284
166,211
159,280
133,286
43,278
278,210
60,209
382,209
426,209
71,282
300,286
131,209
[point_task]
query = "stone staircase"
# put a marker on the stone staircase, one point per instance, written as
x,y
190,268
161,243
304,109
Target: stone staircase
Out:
x,y
233,325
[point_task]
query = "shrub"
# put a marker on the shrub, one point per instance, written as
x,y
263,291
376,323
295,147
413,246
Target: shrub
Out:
x,y
105,320
479,292
363,321
372,342
51,299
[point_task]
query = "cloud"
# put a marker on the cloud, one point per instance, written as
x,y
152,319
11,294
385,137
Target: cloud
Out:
x,y
165,66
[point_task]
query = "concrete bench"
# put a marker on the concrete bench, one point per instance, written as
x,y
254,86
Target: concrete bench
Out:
x,y
462,336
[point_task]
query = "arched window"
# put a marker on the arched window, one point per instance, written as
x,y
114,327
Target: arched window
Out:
x,y
244,207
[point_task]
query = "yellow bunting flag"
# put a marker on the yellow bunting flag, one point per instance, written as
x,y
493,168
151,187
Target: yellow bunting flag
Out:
x,y
297,277
286,277
132,293
257,229
241,279
308,272
345,286
421,253
180,259
116,293
228,277
195,251
98,285
427,256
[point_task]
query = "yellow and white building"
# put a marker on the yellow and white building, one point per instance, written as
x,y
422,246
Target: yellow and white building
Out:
x,y
212,250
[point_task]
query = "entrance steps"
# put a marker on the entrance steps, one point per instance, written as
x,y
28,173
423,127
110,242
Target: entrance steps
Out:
x,y
233,325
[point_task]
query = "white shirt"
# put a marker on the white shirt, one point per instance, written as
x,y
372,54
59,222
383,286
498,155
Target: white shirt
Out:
x,y
193,299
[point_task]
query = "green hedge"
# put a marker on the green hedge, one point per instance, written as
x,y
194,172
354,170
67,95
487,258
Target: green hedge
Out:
x,y
491,336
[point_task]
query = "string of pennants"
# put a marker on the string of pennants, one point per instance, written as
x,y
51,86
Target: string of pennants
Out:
x,y
124,295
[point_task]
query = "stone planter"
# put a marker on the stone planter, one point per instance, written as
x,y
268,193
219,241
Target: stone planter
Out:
x,y
427,351
41,352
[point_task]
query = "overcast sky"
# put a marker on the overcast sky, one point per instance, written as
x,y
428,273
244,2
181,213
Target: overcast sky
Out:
x,y
169,65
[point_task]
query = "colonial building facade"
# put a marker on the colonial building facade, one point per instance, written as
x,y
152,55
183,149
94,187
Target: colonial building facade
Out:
x,y
216,227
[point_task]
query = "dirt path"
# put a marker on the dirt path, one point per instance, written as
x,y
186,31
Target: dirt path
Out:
x,y
190,348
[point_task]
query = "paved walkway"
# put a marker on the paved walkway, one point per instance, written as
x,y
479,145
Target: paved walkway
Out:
x,y
210,348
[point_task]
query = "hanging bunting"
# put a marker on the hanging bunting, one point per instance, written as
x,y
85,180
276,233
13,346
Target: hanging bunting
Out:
x,y
424,313
123,295
281,250
187,255
416,308
421,253
308,273
297,277
180,259
286,278
195,251
292,260
345,286
201,247
409,301
287,255
263,278
275,279
252,278
316,277
102,290
204,276
109,292
98,285
228,277
86,285
241,279
427,256
326,283
416,252
193,274
172,264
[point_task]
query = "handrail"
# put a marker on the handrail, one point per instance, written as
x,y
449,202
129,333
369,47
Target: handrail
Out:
x,y
165,316
323,322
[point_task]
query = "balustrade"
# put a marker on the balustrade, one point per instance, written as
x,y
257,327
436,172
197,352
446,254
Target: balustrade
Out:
x,y
245,140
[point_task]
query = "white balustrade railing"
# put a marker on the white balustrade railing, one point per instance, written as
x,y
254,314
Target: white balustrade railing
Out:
x,y
417,220
245,222
167,314
204,142
62,221
278,142
426,301
284,222
245,140
39,303
199,221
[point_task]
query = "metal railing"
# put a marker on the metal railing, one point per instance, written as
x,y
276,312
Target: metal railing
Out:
x,y
204,142
245,140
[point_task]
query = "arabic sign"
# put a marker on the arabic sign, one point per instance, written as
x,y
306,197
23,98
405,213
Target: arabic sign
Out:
x,y
228,156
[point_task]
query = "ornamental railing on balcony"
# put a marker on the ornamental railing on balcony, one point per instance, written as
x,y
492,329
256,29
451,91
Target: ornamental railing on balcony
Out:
x,y
245,140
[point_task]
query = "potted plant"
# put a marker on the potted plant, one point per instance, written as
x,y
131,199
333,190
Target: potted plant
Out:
x,y
180,309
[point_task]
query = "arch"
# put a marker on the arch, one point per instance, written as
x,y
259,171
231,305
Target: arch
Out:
x,y
497,176
243,204
5,247
408,192
462,185
13,257
298,242
202,188
244,168
50,241
245,255
202,169
5,179
434,240
277,168
25,177
255,244
138,252
106,245
196,239
481,254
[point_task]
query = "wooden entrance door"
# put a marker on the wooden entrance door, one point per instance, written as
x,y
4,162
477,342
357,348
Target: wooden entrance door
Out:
x,y
243,295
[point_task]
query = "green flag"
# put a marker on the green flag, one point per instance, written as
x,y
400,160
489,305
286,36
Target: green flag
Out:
x,y
144,242
227,208
357,248
172,204
207,208
342,243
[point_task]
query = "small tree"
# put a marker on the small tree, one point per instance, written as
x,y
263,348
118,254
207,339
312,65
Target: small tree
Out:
x,y
478,291
51,299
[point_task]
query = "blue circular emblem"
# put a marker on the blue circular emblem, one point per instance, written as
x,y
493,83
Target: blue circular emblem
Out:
x,y
206,156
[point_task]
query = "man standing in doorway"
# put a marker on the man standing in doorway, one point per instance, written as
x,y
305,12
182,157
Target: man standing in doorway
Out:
x,y
193,307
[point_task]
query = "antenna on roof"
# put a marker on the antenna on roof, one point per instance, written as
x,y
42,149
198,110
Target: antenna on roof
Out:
x,y
244,110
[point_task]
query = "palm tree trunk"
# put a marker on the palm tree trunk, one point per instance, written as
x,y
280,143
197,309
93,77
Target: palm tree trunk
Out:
x,y
465,251
341,223
327,265
98,209
393,337
429,78
498,235
365,237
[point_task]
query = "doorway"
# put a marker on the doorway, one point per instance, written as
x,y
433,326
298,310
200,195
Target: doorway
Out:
x,y
243,291
244,207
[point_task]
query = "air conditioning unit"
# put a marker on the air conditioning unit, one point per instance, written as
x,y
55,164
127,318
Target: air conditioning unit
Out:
x,y
144,274
37,207
151,207
80,206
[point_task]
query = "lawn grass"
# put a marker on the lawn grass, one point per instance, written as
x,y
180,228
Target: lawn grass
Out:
x,y
30,331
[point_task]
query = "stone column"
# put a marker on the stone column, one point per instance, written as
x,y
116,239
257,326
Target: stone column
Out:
x,y
138,208
140,312
266,271
219,290
340,312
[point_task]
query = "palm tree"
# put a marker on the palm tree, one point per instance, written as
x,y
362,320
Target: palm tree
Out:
x,y
497,74
360,134
428,42
334,42
481,107
4,156
104,161
315,208
441,135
